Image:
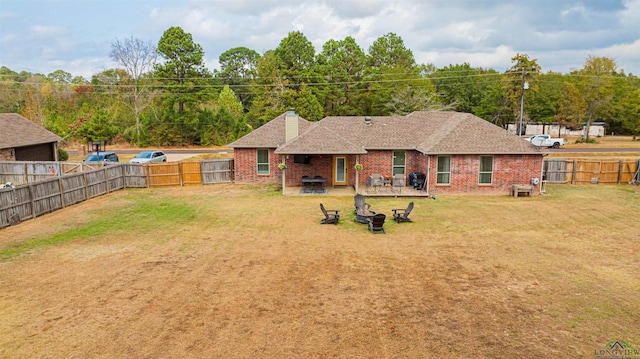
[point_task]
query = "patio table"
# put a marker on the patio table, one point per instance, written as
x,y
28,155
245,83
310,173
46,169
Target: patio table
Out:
x,y
317,183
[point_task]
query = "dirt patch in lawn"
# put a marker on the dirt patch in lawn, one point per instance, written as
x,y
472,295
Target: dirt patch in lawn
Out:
x,y
242,272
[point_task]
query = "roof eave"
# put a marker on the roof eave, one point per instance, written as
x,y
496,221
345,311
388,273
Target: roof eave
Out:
x,y
482,153
363,152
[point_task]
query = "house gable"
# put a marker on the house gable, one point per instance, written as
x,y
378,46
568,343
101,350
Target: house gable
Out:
x,y
319,139
464,133
270,135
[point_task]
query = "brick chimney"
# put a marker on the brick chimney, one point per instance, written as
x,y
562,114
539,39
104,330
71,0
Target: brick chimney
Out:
x,y
291,123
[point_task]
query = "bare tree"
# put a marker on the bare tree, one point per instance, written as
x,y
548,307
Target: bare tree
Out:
x,y
138,59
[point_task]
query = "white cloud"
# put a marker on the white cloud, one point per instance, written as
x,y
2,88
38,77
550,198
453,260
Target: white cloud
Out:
x,y
46,32
498,58
483,33
576,9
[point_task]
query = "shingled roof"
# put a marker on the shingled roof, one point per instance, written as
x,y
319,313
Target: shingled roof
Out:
x,y
432,132
18,131
270,135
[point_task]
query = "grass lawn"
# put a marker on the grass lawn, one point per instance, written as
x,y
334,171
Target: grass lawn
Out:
x,y
232,271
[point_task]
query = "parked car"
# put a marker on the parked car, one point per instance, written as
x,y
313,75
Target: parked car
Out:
x,y
546,141
149,156
102,157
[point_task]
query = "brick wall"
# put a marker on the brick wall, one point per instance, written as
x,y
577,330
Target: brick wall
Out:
x,y
246,169
507,170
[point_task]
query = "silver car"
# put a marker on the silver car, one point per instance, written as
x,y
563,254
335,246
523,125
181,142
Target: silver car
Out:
x,y
149,156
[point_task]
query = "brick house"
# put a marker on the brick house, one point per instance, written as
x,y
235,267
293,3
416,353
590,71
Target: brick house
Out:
x,y
23,140
456,152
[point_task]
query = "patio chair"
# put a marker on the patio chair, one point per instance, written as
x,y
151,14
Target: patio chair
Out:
x,y
376,223
374,182
359,202
362,210
398,182
330,215
307,185
318,185
402,214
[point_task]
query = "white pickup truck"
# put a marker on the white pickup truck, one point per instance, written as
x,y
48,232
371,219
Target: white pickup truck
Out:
x,y
546,141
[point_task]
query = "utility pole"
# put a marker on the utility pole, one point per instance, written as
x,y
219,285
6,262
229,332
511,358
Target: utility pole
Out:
x,y
525,86
522,101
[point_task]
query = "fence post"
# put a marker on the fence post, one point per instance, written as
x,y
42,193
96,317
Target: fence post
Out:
x,y
106,178
201,176
61,186
146,171
33,204
620,171
180,172
86,185
573,174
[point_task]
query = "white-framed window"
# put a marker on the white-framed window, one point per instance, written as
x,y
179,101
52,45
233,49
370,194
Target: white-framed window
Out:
x,y
262,161
485,175
399,162
444,170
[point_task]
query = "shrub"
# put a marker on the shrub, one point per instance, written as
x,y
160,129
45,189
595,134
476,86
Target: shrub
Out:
x,y
62,155
588,140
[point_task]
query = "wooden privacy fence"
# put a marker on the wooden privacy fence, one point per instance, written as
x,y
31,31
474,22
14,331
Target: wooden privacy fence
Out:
x,y
19,172
35,199
589,171
32,199
149,175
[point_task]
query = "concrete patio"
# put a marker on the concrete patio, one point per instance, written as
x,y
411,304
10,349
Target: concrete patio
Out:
x,y
384,191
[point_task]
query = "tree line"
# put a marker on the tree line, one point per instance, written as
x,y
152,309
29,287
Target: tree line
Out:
x,y
162,94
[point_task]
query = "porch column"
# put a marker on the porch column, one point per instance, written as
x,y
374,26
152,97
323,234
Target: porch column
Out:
x,y
357,174
284,175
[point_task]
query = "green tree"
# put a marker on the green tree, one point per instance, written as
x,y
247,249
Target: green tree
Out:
x,y
227,100
238,68
268,91
519,83
543,104
98,128
12,90
294,57
631,113
494,105
389,52
107,93
61,77
461,87
595,82
341,65
305,103
183,67
571,106
391,68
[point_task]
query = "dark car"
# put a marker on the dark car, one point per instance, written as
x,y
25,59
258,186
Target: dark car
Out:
x,y
102,157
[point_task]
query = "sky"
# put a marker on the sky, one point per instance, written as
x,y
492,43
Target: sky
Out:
x,y
41,36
